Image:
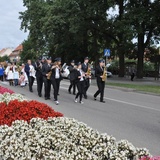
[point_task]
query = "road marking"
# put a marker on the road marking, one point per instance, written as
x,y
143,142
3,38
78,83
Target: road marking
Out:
x,y
124,102
111,99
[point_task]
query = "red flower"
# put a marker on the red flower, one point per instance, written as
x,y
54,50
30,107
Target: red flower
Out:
x,y
25,110
5,90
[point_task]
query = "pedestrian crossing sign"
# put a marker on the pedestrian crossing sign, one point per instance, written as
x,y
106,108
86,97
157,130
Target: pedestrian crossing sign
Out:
x,y
107,52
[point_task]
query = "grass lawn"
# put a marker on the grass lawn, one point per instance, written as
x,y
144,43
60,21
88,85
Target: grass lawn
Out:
x,y
145,88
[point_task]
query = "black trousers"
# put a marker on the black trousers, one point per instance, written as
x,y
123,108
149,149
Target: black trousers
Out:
x,y
1,77
80,87
101,86
86,85
39,84
55,84
47,87
72,84
31,81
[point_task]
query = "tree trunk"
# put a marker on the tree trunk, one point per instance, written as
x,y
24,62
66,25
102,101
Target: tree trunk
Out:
x,y
140,55
121,64
121,36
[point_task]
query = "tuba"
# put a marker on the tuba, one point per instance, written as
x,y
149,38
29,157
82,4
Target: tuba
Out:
x,y
104,76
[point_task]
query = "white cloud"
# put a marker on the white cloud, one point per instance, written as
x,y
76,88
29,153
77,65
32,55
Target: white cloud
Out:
x,y
10,33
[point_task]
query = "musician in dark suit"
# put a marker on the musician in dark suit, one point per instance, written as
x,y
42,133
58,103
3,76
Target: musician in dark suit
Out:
x,y
56,78
87,78
100,83
80,77
46,68
39,76
72,70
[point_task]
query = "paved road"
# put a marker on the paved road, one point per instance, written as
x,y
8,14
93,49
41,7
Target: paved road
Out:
x,y
125,115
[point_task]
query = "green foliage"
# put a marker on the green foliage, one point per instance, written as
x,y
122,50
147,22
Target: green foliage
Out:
x,y
4,58
74,29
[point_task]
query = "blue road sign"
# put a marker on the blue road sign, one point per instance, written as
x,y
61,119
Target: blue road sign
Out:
x,y
107,52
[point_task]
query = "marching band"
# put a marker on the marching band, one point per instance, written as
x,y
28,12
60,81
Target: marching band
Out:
x,y
48,73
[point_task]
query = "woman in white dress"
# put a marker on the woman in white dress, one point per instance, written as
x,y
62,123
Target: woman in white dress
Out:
x,y
9,73
24,73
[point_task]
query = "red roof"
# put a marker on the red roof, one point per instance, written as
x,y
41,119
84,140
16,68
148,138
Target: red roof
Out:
x,y
3,50
19,48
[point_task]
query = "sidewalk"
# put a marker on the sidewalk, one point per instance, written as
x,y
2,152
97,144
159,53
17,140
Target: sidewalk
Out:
x,y
126,80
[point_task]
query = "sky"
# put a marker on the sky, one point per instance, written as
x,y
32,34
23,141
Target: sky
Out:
x,y
10,33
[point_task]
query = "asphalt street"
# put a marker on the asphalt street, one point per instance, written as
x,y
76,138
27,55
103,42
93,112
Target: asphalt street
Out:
x,y
125,115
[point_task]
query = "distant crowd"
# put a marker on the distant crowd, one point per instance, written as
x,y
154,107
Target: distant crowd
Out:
x,y
48,72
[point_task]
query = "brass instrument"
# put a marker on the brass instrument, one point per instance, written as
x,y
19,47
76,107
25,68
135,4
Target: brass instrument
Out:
x,y
49,75
88,73
50,72
104,76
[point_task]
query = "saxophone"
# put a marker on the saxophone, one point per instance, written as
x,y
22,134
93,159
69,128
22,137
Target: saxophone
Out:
x,y
104,76
88,73
49,74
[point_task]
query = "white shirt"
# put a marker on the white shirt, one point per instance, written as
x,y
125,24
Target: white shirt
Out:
x,y
32,71
57,76
82,79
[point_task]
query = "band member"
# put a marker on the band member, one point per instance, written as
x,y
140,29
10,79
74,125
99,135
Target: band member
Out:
x,y
30,71
100,82
80,76
85,68
56,78
72,70
39,76
46,72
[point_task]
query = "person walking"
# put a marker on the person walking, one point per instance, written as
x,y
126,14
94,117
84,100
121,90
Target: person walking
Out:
x,y
1,73
85,67
30,71
132,73
72,70
80,77
39,76
56,78
100,82
46,72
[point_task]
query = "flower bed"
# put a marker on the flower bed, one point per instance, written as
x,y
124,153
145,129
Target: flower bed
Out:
x,y
61,139
7,97
5,90
25,110
150,158
33,130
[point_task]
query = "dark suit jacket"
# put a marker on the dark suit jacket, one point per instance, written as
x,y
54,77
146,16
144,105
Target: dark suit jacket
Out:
x,y
27,69
53,75
72,72
77,74
38,69
98,73
45,69
84,67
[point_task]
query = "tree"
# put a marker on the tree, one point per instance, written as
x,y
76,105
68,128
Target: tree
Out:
x,y
142,17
